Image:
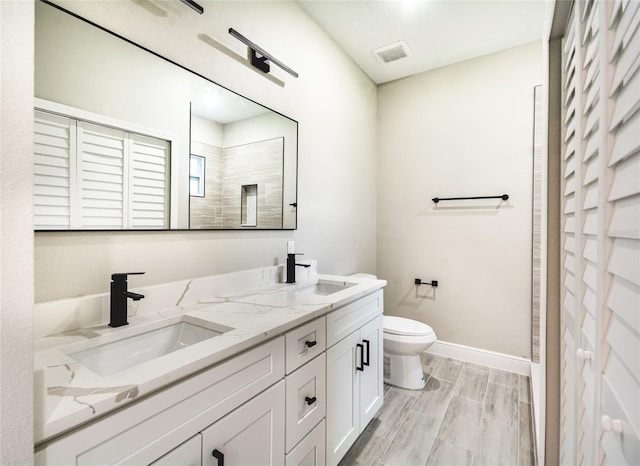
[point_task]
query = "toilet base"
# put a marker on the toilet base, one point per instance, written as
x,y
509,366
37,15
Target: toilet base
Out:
x,y
403,371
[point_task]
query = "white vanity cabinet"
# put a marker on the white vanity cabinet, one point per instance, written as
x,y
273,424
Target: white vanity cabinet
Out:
x,y
354,372
299,399
147,430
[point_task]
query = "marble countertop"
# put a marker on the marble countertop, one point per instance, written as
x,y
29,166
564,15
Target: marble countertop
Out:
x,y
67,394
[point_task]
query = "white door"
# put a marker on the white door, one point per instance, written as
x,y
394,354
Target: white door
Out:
x,y
620,365
371,378
343,424
601,235
590,203
252,435
570,240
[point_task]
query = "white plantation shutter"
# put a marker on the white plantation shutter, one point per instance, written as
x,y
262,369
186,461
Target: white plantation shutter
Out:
x,y
54,170
148,182
600,399
101,171
91,176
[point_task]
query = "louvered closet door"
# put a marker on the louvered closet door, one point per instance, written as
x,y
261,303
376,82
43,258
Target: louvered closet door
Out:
x,y
570,284
101,177
621,366
148,182
54,170
593,221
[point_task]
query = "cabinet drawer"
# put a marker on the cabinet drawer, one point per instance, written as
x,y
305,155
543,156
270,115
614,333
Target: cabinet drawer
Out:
x,y
311,449
305,399
351,317
304,343
187,454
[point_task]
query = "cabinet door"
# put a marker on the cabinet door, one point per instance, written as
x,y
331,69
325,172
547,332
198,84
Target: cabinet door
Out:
x,y
311,450
371,378
343,424
253,434
187,454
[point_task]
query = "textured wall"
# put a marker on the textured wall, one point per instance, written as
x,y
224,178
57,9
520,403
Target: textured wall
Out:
x,y
16,233
337,149
460,130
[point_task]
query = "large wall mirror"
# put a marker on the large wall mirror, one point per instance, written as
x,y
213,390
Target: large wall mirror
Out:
x,y
126,140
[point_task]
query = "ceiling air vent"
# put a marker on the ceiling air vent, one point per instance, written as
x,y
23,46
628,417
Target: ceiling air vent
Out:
x,y
392,52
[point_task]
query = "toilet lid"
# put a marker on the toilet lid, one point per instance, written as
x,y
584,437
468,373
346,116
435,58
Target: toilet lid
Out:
x,y
402,326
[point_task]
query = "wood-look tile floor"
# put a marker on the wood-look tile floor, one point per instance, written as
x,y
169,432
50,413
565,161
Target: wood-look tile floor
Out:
x,y
467,415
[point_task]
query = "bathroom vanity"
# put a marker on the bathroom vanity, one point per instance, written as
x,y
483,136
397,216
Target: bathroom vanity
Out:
x,y
270,373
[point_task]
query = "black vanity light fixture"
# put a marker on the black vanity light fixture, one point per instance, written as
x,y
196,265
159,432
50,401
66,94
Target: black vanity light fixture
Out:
x,y
193,5
259,57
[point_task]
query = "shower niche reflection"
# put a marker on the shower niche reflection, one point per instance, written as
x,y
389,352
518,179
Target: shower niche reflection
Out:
x,y
249,205
242,185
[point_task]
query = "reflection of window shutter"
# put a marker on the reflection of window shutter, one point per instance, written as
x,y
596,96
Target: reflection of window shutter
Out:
x,y
101,168
148,182
89,176
54,169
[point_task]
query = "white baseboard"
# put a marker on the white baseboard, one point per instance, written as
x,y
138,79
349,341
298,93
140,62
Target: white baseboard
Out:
x,y
487,358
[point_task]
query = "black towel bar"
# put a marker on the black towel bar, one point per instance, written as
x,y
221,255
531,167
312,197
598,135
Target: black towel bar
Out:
x,y
504,197
433,283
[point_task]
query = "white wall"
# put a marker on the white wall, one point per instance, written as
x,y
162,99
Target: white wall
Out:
x,y
206,131
16,232
337,149
461,130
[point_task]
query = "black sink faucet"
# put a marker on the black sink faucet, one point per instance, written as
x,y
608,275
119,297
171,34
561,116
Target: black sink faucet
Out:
x,y
291,266
119,295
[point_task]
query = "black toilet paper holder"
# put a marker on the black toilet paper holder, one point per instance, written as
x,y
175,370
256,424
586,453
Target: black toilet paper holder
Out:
x,y
419,281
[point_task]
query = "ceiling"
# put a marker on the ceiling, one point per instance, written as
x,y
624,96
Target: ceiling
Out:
x,y
437,32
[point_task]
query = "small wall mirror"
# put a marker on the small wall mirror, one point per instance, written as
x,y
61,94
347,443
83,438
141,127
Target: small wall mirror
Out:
x,y
127,140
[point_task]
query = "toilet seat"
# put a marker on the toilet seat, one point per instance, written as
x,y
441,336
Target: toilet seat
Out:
x,y
401,326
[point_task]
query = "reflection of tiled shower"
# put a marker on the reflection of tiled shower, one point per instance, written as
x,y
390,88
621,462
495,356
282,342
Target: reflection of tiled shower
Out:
x,y
243,186
538,121
206,211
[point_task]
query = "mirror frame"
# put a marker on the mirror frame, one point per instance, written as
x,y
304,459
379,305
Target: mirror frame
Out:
x,y
184,68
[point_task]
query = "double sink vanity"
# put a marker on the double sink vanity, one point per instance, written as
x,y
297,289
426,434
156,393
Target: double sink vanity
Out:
x,y
238,367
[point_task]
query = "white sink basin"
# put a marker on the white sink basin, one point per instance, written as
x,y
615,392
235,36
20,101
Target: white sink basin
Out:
x,y
325,287
115,356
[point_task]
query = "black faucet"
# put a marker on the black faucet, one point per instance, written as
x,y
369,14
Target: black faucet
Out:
x,y
119,295
291,267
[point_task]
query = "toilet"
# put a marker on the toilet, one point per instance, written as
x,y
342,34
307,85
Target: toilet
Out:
x,y
404,341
